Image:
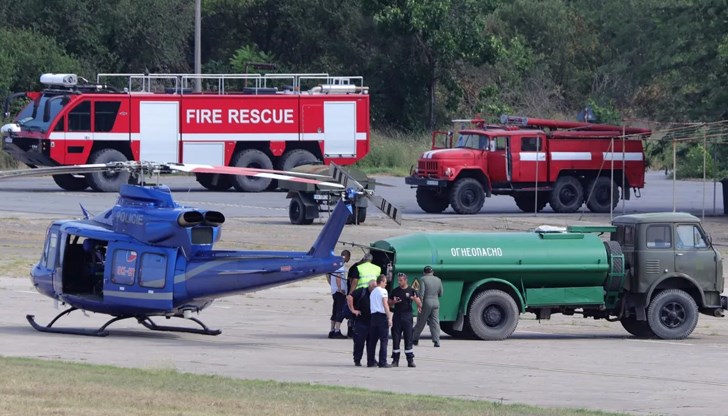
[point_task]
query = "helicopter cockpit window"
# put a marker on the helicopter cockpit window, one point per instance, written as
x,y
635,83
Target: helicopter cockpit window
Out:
x,y
473,141
152,270
124,267
49,254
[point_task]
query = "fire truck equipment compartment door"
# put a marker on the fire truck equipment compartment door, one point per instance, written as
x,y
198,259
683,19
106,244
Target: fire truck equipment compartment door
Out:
x,y
340,128
158,131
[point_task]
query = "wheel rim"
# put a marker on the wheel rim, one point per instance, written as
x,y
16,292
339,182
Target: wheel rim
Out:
x,y
296,211
493,315
468,197
567,195
673,314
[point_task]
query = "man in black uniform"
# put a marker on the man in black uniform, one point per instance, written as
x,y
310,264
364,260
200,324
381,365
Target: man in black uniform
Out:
x,y
358,302
401,300
351,277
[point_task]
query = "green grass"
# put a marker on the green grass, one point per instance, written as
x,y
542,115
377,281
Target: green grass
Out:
x,y
38,387
394,153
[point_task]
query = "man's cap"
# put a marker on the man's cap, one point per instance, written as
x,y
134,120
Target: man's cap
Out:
x,y
428,269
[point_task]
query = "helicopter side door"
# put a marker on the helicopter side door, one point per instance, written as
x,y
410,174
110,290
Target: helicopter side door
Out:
x,y
139,278
45,274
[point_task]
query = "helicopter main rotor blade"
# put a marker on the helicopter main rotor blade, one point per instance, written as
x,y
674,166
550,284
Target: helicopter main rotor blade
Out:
x,y
68,170
344,178
261,173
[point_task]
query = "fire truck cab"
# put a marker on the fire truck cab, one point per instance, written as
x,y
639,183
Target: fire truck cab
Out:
x,y
537,161
251,120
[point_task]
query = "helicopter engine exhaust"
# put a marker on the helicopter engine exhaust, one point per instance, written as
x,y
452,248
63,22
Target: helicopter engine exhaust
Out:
x,y
190,218
214,218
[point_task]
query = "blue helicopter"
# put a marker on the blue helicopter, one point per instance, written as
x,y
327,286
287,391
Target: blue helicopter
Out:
x,y
149,256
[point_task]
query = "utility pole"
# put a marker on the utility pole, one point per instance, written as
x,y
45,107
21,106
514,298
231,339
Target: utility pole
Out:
x,y
198,46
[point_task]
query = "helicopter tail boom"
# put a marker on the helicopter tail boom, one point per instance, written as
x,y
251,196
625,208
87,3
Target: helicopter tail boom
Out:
x,y
329,236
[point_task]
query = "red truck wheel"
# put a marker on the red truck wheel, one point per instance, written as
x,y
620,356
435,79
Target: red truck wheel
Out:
x,y
603,192
567,195
467,196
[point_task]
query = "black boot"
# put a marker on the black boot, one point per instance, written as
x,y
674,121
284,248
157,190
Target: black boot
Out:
x,y
395,359
411,362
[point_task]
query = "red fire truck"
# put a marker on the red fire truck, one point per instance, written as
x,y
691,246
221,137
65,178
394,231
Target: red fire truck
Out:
x,y
537,161
261,121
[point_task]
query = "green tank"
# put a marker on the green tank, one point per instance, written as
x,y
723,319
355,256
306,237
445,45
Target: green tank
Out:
x,y
524,259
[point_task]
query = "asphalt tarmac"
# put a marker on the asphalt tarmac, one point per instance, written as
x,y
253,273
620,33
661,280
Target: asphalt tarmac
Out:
x,y
280,333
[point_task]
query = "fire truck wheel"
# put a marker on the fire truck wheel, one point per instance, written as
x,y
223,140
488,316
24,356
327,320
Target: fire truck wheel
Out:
x,y
601,188
107,181
209,181
672,314
297,157
431,201
251,158
567,195
493,315
297,212
640,329
467,196
526,201
71,182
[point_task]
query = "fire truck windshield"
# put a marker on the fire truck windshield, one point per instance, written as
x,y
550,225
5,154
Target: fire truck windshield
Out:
x,y
473,141
35,115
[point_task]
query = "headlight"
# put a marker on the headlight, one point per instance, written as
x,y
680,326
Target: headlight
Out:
x,y
449,172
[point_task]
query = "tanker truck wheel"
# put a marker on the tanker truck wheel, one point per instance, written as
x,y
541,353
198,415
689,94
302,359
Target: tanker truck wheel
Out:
x,y
640,329
467,196
466,333
251,158
526,201
604,193
431,201
493,315
107,181
567,195
672,314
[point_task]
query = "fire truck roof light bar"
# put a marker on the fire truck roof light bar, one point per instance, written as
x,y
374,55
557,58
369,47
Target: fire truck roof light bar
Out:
x,y
64,80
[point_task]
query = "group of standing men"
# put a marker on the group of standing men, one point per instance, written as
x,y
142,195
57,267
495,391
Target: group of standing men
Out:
x,y
375,312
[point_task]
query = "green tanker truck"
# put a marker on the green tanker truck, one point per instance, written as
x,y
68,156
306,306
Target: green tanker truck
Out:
x,y
655,275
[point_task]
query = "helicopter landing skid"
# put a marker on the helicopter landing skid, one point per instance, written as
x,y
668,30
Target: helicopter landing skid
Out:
x,y
100,332
149,324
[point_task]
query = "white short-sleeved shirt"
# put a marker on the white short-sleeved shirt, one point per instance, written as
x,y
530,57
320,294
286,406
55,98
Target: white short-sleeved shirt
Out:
x,y
341,273
375,300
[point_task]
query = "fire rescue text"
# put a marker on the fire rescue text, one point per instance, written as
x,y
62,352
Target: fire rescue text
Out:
x,y
240,116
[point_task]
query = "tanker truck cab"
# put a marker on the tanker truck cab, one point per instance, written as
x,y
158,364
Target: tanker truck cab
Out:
x,y
672,273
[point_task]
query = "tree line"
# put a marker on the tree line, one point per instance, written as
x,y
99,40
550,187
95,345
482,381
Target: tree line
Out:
x,y
425,61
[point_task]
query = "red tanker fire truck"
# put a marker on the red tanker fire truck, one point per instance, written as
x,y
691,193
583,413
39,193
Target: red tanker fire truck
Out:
x,y
537,161
261,121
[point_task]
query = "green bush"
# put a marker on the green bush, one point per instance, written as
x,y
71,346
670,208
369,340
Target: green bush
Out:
x,y
394,153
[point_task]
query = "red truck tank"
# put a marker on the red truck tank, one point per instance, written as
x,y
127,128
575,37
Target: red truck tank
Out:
x,y
264,121
537,161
